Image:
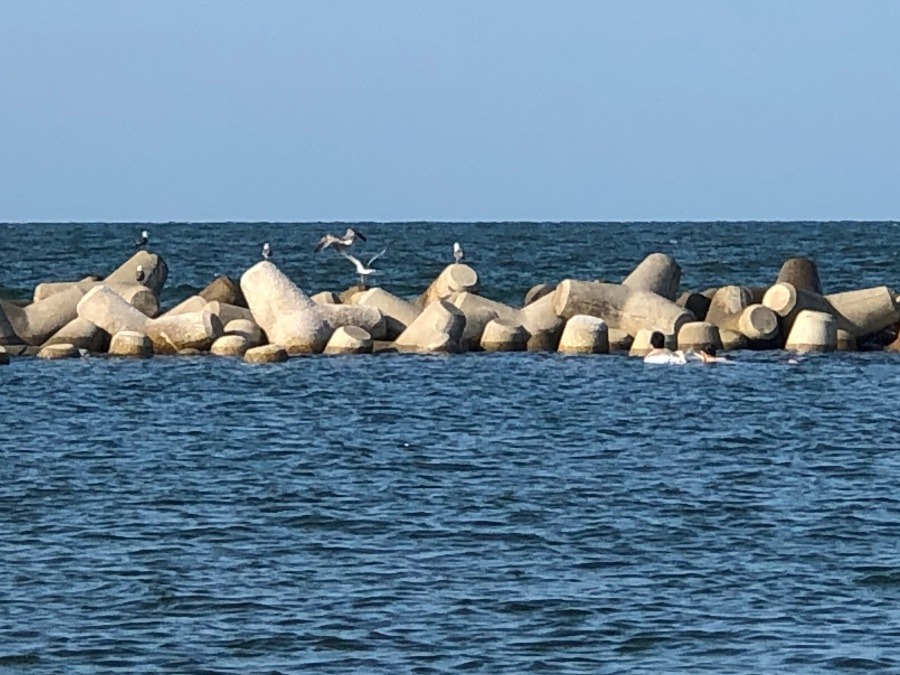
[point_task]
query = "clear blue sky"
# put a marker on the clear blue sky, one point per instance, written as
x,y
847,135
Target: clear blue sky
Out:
x,y
462,110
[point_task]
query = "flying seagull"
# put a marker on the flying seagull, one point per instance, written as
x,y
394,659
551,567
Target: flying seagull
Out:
x,y
142,240
339,243
139,274
267,251
458,254
362,270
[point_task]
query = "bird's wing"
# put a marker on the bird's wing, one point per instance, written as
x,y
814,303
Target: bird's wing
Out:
x,y
376,257
354,260
361,235
325,242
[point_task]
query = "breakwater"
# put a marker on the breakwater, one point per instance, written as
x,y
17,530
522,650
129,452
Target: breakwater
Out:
x,y
265,316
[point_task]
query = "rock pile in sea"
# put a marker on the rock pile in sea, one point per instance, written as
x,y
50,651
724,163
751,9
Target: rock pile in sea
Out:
x,y
266,317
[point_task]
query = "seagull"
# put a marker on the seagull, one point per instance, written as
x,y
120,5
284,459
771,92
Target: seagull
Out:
x,y
142,240
139,274
458,254
339,243
362,270
267,251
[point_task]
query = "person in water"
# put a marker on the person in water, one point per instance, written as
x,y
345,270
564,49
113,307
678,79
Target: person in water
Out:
x,y
707,354
659,353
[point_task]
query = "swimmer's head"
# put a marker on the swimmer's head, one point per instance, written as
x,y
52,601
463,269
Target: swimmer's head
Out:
x,y
657,340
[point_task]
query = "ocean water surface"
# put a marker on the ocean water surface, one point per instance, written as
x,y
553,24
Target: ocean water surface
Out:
x,y
475,513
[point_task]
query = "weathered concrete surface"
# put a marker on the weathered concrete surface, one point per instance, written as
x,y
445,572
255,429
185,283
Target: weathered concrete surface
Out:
x,y
45,290
697,334
266,354
696,303
478,312
584,335
455,278
801,273
619,306
398,313
367,317
154,268
247,329
537,292
224,289
502,335
35,323
83,334
868,310
437,329
544,326
137,295
326,298
300,332
61,351
192,330
813,332
131,344
349,340
657,273
109,311
193,303
230,345
228,313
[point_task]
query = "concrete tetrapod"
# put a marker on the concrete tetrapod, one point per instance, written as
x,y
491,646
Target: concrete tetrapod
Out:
x,y
224,289
107,310
228,313
83,334
192,330
537,292
543,325
44,290
192,304
155,271
326,298
801,273
727,306
584,335
249,330
455,278
813,332
868,310
501,335
697,334
288,317
230,345
367,317
137,295
60,351
619,306
788,301
758,323
35,323
266,354
657,273
479,312
398,313
696,303
349,340
437,329
620,341
130,343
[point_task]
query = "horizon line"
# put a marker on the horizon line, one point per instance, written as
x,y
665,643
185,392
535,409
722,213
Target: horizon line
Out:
x,y
441,222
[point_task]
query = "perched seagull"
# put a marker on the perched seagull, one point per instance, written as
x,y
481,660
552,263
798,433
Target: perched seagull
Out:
x,y
339,243
142,240
362,270
458,254
139,274
267,251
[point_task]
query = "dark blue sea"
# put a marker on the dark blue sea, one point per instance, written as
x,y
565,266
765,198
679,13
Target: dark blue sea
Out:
x,y
502,513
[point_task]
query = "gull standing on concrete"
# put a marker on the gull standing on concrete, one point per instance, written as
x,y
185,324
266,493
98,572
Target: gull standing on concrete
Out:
x,y
339,243
362,270
267,251
139,274
458,254
142,240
